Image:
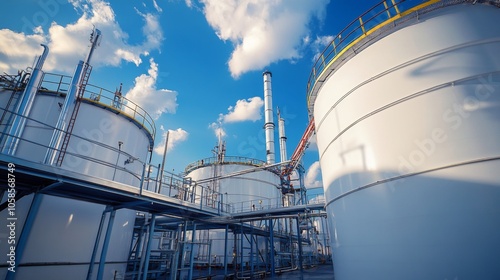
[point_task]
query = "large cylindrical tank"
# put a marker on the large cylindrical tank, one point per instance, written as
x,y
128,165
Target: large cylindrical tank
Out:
x,y
247,192
407,130
106,142
62,238
110,141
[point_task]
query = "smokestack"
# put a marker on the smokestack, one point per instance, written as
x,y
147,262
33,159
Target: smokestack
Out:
x,y
268,114
281,131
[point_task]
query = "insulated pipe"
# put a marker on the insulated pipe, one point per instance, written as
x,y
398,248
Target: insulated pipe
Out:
x,y
24,108
282,135
70,100
61,121
268,114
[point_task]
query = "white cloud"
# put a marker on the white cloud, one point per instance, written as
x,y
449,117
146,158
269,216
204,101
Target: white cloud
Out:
x,y
263,31
69,43
313,143
218,129
320,44
174,138
17,51
312,178
158,8
244,110
152,100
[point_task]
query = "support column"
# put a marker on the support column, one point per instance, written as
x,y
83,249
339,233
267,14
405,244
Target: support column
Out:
x,y
96,245
241,251
191,255
148,246
225,249
271,241
299,241
105,245
23,238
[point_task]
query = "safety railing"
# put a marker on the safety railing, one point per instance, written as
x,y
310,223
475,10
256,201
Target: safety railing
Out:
x,y
104,98
227,160
255,205
380,15
146,178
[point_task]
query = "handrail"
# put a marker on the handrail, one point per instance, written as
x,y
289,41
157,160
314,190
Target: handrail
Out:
x,y
60,84
227,160
172,186
378,16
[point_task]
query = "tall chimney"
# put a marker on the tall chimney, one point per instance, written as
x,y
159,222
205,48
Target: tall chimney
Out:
x,y
268,114
281,131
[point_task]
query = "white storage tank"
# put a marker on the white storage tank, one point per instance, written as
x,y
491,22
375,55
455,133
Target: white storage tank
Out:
x,y
108,143
406,118
241,193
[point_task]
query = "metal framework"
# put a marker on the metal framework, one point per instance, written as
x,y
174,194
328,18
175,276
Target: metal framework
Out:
x,y
179,223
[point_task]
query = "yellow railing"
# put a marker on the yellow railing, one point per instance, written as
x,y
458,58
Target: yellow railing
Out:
x,y
378,16
104,98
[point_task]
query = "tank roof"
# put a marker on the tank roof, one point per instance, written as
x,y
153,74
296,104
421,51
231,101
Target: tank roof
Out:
x,y
227,160
359,34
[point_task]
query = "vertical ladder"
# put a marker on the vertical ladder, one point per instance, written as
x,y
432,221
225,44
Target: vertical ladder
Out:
x,y
9,112
14,98
11,106
69,130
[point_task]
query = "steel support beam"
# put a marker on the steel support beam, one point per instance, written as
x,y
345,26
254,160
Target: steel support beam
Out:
x,y
96,244
23,238
148,246
105,245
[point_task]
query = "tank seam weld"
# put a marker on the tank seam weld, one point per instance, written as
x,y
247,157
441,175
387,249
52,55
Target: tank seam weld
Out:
x,y
401,100
411,175
400,66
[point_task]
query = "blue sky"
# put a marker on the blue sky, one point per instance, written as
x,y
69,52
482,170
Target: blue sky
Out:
x,y
195,65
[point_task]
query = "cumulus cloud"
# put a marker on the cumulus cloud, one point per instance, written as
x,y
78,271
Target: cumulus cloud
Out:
x,y
244,110
152,100
313,176
262,31
218,129
174,137
69,43
313,143
24,52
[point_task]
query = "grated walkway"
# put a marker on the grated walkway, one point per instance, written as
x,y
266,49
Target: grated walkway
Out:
x,y
321,272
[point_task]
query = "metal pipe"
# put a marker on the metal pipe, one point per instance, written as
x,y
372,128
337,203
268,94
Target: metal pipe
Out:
x,y
69,101
299,245
191,253
163,162
282,136
226,233
105,245
24,107
241,251
148,246
26,231
271,241
96,245
268,115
